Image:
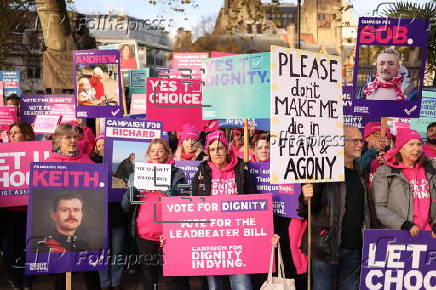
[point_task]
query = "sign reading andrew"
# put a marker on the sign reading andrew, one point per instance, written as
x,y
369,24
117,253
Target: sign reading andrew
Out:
x,y
217,235
393,259
306,117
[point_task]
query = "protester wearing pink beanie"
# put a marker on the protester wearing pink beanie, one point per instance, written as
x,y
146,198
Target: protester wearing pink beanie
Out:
x,y
189,149
223,174
404,189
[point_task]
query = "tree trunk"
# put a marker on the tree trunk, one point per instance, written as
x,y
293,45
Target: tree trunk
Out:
x,y
57,58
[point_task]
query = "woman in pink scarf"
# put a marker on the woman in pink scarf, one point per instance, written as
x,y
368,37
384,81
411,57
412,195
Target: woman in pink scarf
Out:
x,y
404,189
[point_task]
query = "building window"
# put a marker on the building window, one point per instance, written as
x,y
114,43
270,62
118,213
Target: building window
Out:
x,y
249,28
259,28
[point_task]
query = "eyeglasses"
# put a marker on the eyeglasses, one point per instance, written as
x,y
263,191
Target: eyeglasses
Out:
x,y
355,141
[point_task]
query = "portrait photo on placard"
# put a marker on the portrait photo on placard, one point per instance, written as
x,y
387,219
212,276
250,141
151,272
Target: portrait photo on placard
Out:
x,y
67,220
389,73
128,56
97,85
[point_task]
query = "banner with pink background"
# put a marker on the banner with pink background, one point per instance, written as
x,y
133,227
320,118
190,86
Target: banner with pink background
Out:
x,y
174,102
8,116
14,169
217,235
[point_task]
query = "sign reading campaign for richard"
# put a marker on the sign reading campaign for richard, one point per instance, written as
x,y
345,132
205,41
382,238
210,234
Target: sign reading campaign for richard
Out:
x,y
236,86
217,235
126,142
390,65
67,218
392,259
306,117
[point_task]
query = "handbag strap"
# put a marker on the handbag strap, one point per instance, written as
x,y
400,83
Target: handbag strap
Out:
x,y
280,266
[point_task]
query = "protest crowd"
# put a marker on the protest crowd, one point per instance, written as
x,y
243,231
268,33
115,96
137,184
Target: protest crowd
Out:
x,y
195,197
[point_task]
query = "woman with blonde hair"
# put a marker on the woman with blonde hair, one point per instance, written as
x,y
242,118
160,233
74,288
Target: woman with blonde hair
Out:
x,y
143,228
189,148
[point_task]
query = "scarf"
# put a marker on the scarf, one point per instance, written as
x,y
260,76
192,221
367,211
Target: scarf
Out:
x,y
188,156
394,83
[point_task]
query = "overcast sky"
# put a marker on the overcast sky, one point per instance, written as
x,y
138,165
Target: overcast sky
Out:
x,y
191,16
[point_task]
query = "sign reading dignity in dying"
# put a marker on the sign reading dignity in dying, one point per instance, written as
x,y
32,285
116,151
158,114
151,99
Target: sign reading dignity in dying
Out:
x,y
306,117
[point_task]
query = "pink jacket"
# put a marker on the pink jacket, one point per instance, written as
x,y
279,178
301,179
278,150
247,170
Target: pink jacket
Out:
x,y
80,158
297,228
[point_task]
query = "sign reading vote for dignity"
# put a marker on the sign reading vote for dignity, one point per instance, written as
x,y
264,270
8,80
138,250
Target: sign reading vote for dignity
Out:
x,y
306,117
217,235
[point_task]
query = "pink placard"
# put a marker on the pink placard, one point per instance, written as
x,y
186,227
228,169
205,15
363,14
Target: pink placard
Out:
x,y
15,159
220,54
138,104
175,103
46,124
188,63
1,92
234,239
8,116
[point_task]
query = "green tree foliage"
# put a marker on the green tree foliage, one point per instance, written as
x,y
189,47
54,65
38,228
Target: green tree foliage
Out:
x,y
426,11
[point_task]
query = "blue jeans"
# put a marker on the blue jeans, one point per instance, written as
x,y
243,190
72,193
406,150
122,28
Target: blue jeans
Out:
x,y
112,276
238,282
342,276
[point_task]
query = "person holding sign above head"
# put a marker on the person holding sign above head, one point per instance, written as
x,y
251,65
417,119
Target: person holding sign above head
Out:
x,y
14,224
189,148
340,210
147,232
391,81
260,147
429,147
404,188
223,174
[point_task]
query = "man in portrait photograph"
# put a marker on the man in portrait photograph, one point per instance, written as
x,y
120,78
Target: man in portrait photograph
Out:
x,y
66,215
391,81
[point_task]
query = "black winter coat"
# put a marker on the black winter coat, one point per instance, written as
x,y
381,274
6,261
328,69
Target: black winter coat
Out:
x,y
202,182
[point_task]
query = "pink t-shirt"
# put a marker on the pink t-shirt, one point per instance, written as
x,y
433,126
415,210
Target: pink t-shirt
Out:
x,y
420,188
146,228
223,181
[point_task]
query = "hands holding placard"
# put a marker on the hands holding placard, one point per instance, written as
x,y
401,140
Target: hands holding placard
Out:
x,y
307,190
